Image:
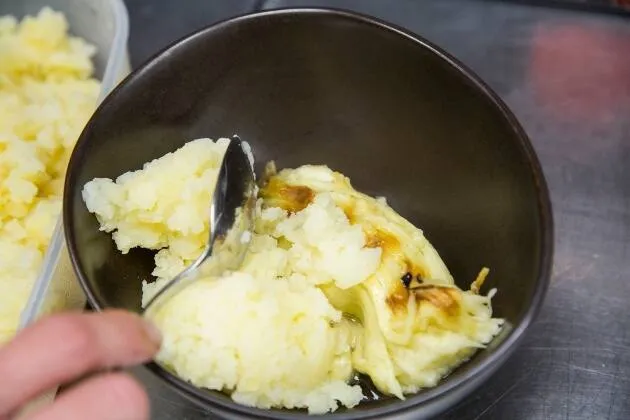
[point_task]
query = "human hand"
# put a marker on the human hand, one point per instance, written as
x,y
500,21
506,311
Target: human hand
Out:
x,y
64,348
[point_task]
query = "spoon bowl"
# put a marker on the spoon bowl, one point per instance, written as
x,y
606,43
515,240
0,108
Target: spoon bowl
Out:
x,y
231,219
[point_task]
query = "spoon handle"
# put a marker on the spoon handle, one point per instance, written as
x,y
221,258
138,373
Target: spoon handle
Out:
x,y
231,223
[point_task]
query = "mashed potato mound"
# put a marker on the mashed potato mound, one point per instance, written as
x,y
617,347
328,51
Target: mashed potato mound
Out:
x,y
46,97
270,342
163,206
334,283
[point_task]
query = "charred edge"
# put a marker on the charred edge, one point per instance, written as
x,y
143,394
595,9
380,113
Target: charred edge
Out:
x,y
378,239
443,298
299,195
406,279
292,198
427,286
397,301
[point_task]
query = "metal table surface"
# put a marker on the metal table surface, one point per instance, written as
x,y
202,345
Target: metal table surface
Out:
x,y
566,75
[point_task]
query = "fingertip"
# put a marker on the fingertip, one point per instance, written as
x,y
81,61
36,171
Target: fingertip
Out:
x,y
153,333
143,339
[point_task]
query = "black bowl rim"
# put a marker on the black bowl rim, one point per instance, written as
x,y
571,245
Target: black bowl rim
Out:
x,y
427,399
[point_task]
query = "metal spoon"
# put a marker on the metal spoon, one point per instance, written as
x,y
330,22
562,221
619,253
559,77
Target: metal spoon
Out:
x,y
231,223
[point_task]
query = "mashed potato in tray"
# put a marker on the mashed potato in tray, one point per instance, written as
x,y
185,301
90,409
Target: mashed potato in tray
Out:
x,y
335,283
46,97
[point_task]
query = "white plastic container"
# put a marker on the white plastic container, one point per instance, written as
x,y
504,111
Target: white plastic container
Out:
x,y
104,24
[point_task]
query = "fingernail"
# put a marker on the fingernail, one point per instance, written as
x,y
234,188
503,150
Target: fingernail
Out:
x,y
153,332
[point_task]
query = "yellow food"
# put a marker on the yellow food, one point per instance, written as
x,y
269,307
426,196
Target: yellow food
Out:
x,y
163,206
335,282
414,334
271,342
46,97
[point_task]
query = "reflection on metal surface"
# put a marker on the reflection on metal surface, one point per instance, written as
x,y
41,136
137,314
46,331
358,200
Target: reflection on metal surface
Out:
x,y
580,73
591,6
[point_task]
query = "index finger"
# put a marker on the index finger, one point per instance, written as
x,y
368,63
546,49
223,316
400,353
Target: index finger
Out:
x,y
61,348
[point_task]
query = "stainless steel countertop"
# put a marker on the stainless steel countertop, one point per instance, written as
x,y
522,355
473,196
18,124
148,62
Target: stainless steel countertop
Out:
x,y
566,75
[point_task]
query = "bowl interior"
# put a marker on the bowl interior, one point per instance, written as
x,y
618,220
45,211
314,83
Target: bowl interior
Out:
x,y
397,117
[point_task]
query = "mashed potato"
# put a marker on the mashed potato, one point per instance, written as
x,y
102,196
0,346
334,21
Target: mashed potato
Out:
x,y
272,342
417,325
163,206
335,282
46,97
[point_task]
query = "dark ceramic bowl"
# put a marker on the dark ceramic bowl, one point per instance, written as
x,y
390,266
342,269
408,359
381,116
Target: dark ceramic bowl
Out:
x,y
395,113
